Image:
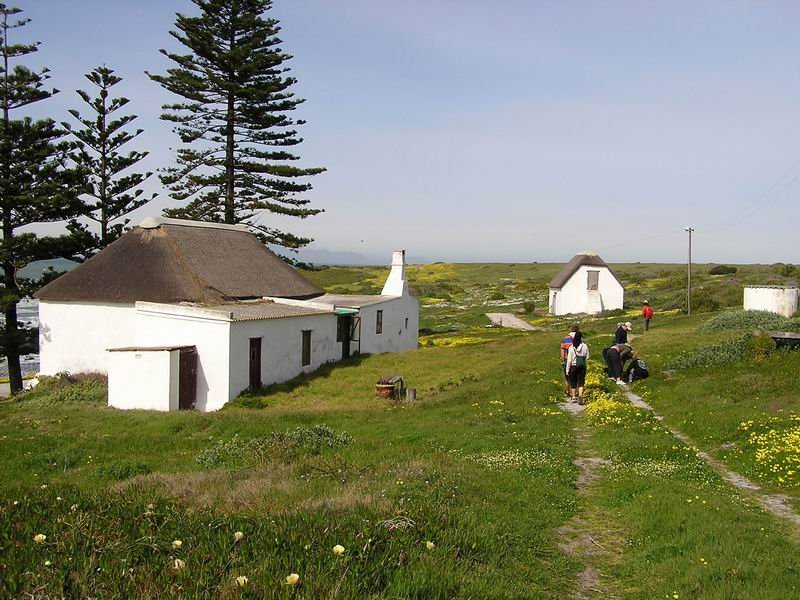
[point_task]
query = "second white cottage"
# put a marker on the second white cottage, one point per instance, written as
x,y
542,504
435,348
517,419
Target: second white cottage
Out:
x,y
183,314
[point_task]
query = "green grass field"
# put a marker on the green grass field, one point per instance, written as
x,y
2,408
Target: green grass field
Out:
x,y
483,488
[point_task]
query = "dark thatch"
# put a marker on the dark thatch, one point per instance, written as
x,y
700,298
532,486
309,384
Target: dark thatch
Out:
x,y
579,260
170,260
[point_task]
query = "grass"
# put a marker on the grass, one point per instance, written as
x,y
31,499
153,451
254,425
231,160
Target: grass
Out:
x,y
482,466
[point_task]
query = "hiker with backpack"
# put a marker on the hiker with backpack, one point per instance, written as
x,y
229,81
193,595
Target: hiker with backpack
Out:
x,y
575,369
566,344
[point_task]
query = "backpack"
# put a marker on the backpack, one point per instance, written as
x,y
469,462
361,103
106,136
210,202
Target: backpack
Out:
x,y
580,361
638,370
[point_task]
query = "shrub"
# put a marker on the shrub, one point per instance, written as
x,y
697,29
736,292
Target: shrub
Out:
x,y
760,347
722,270
704,301
528,307
721,353
748,320
277,446
85,387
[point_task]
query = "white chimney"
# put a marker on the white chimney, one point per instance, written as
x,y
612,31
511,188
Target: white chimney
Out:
x,y
396,284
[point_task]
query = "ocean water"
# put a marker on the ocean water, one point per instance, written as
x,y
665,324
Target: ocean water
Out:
x,y
28,314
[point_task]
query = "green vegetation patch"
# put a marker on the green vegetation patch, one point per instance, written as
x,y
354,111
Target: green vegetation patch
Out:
x,y
277,446
734,320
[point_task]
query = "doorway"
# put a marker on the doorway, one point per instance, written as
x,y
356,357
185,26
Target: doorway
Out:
x,y
344,330
255,363
187,378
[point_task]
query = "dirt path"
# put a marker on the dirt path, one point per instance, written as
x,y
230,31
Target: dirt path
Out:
x,y
582,537
778,504
512,321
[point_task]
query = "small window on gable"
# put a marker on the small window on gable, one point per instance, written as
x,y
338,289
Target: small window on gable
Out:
x,y
306,358
379,322
592,280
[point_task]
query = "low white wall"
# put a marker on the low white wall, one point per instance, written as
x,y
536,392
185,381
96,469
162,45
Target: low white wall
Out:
x,y
396,335
281,348
573,297
783,301
143,379
209,334
74,336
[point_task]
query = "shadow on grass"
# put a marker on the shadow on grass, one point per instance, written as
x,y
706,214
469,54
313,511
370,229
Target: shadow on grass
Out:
x,y
260,398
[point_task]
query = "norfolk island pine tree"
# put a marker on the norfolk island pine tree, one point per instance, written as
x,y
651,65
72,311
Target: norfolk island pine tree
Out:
x,y
234,123
36,184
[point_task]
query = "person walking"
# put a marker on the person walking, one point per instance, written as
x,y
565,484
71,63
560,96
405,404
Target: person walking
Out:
x,y
647,314
566,344
575,370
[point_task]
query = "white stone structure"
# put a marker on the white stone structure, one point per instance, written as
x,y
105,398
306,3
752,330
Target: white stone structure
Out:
x,y
189,315
776,299
585,284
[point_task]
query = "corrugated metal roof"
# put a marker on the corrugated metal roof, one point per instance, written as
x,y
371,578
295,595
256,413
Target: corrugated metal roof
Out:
x,y
257,311
352,301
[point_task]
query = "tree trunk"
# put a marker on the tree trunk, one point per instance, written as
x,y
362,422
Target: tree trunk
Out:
x,y
11,329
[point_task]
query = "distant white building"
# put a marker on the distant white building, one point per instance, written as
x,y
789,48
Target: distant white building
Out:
x,y
585,284
183,314
772,298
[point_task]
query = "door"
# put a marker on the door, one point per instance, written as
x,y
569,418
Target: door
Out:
x,y
594,277
345,324
255,363
187,378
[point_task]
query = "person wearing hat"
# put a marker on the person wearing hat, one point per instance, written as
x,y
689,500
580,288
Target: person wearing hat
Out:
x,y
621,334
647,314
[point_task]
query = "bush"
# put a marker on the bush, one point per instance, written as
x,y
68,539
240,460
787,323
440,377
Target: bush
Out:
x,y
749,320
84,387
528,307
721,353
704,301
760,347
722,270
277,446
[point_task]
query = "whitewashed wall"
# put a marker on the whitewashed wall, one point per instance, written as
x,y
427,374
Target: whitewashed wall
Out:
x,y
144,379
573,297
74,336
396,337
167,325
281,348
783,301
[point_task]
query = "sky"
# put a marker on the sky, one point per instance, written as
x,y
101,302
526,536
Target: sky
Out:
x,y
512,131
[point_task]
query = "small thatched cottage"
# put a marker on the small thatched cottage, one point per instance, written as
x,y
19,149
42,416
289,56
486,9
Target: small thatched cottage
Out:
x,y
586,284
183,314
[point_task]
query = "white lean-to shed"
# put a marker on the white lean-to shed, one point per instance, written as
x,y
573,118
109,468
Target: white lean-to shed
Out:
x,y
586,284
772,298
181,314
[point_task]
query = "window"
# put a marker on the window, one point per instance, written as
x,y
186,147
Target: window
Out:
x,y
306,359
593,277
406,322
379,322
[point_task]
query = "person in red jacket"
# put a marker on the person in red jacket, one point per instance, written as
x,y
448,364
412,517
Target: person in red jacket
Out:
x,y
647,314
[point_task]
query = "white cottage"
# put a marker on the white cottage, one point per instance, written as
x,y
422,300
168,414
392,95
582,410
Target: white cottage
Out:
x,y
586,284
183,314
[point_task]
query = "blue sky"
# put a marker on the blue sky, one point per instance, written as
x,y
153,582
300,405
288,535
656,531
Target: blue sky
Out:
x,y
507,131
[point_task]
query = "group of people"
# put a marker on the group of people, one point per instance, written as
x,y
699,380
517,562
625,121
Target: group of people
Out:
x,y
575,356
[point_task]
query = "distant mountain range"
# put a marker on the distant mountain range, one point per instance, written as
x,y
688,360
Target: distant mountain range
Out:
x,y
333,257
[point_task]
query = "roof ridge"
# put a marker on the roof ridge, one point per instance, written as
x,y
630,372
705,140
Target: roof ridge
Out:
x,y
157,221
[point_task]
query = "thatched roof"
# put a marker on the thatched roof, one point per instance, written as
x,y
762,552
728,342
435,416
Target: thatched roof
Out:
x,y
586,258
173,260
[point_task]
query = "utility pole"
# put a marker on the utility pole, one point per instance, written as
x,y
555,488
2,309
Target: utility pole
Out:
x,y
689,229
